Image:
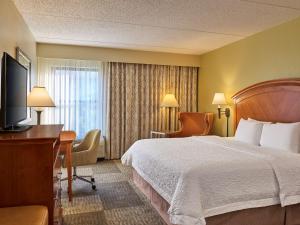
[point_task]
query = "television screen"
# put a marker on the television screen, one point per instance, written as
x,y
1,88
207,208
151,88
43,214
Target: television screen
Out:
x,y
13,92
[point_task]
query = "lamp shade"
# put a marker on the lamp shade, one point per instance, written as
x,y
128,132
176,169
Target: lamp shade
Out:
x,y
39,97
219,99
169,101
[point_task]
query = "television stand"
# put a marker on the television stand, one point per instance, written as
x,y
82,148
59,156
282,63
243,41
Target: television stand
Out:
x,y
30,166
16,128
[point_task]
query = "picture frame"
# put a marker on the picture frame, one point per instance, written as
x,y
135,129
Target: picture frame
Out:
x,y
24,60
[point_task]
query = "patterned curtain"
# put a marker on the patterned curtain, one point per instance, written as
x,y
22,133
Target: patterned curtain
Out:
x,y
136,91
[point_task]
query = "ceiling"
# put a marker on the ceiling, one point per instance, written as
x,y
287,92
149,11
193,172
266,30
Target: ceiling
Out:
x,y
177,26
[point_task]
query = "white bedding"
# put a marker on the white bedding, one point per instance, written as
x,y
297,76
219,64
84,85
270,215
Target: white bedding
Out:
x,y
207,176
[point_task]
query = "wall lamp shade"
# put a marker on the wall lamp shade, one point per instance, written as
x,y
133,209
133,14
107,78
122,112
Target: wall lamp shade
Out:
x,y
39,97
219,99
169,101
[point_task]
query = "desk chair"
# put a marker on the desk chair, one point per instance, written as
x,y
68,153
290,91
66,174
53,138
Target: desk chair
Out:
x,y
85,153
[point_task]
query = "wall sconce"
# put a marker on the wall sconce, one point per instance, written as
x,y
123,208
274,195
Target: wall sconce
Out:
x,y
219,99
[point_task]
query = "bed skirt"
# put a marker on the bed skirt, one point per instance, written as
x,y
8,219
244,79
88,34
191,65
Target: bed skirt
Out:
x,y
270,215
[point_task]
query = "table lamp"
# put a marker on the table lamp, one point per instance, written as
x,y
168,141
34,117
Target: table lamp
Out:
x,y
169,102
219,99
39,98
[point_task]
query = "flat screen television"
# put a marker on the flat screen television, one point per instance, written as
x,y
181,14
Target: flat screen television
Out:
x,y
13,94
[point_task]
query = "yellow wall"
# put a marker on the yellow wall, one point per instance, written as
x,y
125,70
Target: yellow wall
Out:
x,y
271,54
117,55
15,33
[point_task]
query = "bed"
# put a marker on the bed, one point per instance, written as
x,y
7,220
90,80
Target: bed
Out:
x,y
218,181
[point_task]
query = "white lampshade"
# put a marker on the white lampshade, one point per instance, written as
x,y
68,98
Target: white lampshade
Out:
x,y
219,99
39,97
169,101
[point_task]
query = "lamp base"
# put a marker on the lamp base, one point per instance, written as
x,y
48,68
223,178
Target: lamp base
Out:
x,y
227,112
219,112
38,113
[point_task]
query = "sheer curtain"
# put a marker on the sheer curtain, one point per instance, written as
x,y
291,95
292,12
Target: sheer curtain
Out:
x,y
79,90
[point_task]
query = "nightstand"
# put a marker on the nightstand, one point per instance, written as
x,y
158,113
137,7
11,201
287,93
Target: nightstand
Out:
x,y
158,134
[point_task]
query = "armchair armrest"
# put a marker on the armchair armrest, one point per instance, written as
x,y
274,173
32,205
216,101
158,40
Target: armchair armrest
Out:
x,y
84,157
77,148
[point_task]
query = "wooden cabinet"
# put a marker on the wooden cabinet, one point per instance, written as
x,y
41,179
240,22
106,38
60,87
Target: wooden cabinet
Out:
x,y
30,169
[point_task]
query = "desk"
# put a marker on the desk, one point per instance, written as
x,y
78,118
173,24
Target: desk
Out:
x,y
66,141
30,167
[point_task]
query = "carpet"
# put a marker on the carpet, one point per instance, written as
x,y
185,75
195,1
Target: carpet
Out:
x,y
117,201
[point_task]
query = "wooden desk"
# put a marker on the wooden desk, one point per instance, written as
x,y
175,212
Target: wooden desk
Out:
x,y
66,141
30,169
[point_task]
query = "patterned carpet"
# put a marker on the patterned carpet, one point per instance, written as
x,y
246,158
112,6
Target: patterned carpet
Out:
x,y
115,202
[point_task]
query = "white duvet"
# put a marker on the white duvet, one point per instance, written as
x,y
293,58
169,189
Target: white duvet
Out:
x,y
207,176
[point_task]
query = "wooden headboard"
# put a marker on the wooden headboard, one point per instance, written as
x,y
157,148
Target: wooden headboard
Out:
x,y
273,101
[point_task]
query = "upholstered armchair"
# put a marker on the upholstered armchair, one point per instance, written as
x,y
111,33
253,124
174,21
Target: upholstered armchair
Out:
x,y
193,124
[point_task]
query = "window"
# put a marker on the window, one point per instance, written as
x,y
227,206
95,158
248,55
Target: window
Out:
x,y
79,94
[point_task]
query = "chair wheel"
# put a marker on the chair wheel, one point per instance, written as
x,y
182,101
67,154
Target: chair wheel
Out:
x,y
94,187
93,179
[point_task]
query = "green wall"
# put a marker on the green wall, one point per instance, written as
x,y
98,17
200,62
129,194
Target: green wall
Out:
x,y
271,54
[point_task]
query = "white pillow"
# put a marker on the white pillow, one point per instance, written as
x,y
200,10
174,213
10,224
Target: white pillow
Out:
x,y
284,136
249,131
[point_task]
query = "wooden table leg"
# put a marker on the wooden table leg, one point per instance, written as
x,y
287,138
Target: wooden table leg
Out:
x,y
69,169
66,139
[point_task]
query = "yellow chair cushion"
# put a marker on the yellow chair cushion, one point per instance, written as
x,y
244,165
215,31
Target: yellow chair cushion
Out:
x,y
24,215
